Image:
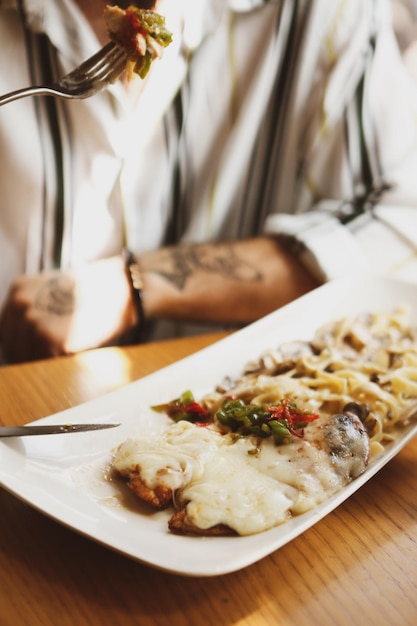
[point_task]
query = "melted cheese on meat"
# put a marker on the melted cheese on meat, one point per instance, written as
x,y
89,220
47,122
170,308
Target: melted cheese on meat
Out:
x,y
221,481
174,458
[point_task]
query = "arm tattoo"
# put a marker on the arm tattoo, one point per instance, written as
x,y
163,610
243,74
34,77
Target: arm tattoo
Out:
x,y
56,296
179,264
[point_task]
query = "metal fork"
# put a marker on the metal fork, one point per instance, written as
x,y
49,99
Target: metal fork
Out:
x,y
92,76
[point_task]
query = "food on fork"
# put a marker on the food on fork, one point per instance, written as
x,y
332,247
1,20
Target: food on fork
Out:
x,y
141,33
297,426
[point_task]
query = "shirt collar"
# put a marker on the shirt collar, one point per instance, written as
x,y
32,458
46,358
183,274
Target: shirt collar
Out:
x,y
62,21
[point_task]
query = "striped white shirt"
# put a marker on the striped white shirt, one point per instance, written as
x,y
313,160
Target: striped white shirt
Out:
x,y
291,117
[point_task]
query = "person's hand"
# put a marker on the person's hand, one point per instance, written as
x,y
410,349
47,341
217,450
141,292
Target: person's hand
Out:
x,y
56,313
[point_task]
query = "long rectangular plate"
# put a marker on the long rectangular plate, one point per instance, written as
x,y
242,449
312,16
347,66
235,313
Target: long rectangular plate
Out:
x,y
67,478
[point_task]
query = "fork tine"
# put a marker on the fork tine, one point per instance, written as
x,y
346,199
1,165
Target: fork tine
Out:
x,y
103,58
108,73
110,55
98,57
102,68
116,70
109,63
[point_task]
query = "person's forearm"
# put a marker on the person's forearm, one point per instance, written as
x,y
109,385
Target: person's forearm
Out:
x,y
231,282
65,312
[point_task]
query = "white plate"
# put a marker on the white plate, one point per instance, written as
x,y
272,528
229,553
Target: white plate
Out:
x,y
64,476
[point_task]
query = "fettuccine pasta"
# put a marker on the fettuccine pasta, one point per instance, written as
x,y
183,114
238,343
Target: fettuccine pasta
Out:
x,y
370,359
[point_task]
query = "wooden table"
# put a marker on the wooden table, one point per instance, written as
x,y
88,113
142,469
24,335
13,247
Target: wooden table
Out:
x,y
358,566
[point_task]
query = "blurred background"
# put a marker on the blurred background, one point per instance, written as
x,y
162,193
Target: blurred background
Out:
x,y
405,26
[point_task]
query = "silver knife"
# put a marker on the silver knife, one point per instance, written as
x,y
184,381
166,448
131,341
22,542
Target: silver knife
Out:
x,y
24,431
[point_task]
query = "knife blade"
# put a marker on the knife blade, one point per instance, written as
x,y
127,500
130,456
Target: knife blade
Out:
x,y
50,429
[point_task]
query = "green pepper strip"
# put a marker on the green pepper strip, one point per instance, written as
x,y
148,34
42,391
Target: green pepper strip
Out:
x,y
279,421
185,408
